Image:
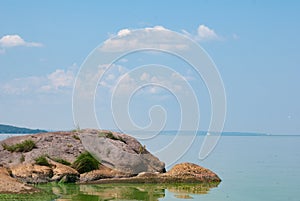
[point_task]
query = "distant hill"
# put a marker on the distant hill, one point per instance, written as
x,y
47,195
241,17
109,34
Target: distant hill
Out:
x,y
14,129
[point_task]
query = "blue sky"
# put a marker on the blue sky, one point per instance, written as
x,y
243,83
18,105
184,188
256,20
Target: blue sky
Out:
x,y
254,44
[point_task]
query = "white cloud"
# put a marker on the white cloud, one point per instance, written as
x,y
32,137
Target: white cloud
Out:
x,y
145,77
151,84
123,32
151,37
58,81
157,37
204,33
111,77
16,40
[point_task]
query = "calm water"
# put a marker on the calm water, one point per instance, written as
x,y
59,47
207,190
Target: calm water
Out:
x,y
256,168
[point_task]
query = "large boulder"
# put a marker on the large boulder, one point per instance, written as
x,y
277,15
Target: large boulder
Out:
x,y
120,152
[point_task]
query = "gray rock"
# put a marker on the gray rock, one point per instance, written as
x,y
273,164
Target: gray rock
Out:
x,y
62,145
121,152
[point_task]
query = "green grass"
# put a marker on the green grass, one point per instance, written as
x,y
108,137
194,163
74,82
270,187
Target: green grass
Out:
x,y
42,160
62,161
76,137
110,135
85,162
24,146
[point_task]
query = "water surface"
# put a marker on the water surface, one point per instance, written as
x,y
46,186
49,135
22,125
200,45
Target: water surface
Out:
x,y
252,168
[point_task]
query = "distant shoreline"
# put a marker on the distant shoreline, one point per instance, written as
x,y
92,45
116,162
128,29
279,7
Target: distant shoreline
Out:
x,y
8,129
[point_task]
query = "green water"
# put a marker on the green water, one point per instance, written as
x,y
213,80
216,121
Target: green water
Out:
x,y
151,192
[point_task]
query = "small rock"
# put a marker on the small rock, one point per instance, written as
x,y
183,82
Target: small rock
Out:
x,y
102,173
148,174
12,185
31,173
63,173
193,172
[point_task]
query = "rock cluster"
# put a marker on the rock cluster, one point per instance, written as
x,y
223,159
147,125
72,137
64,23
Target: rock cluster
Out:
x,y
122,159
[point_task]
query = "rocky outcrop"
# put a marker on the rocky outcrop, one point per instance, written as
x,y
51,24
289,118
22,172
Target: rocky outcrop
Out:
x,y
121,152
117,151
122,160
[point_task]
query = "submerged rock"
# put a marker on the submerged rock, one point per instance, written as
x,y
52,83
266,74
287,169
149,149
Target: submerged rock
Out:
x,y
102,173
180,173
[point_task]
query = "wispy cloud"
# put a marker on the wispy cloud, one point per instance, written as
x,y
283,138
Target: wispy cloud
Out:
x,y
9,41
127,82
56,82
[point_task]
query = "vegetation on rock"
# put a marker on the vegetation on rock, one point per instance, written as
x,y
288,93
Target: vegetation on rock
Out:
x,y
25,146
42,160
76,137
62,161
85,162
110,135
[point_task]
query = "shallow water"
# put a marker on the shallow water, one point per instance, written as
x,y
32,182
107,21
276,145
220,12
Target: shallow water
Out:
x,y
149,192
256,168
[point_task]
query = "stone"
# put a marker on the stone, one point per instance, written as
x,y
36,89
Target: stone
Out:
x,y
63,173
31,173
193,172
12,185
102,173
122,153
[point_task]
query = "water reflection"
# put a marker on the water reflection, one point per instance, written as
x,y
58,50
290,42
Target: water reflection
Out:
x,y
150,192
